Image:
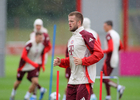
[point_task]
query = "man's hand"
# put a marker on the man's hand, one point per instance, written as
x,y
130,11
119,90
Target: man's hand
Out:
x,y
77,61
57,61
43,67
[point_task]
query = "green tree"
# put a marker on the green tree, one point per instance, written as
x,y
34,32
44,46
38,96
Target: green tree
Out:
x,y
49,8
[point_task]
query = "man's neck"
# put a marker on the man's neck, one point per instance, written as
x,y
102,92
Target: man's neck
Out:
x,y
109,30
37,42
79,26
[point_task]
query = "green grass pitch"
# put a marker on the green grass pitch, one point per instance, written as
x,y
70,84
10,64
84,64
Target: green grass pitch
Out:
x,y
132,84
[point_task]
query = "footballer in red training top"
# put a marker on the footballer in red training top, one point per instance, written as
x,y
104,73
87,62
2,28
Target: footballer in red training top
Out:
x,y
84,51
29,63
38,27
112,46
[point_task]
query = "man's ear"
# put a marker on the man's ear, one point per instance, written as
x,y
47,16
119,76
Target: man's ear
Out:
x,y
79,23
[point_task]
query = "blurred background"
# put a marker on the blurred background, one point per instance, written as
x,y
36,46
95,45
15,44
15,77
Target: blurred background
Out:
x,y
17,18
21,15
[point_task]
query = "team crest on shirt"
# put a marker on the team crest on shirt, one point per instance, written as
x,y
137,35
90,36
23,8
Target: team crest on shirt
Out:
x,y
72,41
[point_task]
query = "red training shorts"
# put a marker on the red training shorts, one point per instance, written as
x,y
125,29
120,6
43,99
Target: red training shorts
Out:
x,y
31,74
78,92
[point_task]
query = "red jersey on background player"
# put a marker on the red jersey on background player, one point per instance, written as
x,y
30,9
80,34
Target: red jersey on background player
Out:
x,y
112,46
38,27
84,51
87,24
29,64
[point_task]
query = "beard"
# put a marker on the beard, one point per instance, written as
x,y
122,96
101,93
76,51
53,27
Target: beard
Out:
x,y
74,29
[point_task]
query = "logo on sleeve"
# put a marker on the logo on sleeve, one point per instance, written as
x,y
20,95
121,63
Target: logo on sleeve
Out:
x,y
90,39
108,37
27,48
83,98
48,38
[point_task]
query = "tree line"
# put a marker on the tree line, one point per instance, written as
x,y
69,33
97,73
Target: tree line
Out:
x,y
47,8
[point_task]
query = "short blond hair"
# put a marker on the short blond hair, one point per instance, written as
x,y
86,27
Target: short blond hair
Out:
x,y
38,33
78,15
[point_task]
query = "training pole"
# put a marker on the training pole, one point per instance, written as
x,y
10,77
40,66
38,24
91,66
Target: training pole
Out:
x,y
125,23
101,78
53,48
57,86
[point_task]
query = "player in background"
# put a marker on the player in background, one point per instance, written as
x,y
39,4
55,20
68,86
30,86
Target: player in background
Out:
x,y
38,27
84,51
67,74
87,24
29,64
87,27
113,45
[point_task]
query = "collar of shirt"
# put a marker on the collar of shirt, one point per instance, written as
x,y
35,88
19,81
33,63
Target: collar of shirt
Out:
x,y
78,30
35,43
